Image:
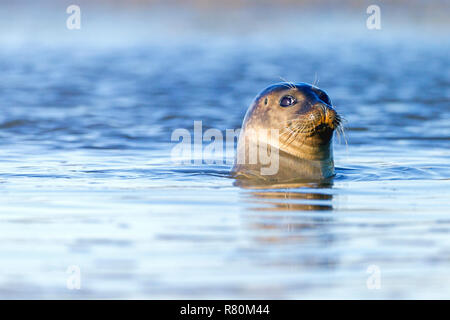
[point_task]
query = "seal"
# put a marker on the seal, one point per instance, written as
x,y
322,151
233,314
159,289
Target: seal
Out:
x,y
287,135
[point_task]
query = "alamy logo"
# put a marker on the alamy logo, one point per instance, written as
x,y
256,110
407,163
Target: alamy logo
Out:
x,y
373,22
374,280
73,22
74,278
257,147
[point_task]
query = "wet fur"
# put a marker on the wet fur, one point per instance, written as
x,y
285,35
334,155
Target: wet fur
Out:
x,y
305,132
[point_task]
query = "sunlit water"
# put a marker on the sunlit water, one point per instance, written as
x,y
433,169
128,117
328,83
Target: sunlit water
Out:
x,y
87,180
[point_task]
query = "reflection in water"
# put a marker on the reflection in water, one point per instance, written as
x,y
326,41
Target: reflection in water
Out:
x,y
292,196
287,205
295,198
292,219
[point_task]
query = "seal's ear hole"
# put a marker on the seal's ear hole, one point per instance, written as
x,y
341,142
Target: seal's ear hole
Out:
x,y
265,101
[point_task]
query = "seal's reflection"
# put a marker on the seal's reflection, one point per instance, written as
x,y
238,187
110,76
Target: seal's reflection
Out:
x,y
272,198
292,199
290,225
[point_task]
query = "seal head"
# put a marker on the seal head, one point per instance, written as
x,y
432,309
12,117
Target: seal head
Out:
x,y
295,124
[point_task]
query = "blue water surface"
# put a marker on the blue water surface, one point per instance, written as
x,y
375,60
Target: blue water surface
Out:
x,y
87,178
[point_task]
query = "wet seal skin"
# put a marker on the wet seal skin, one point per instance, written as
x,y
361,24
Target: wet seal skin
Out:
x,y
287,135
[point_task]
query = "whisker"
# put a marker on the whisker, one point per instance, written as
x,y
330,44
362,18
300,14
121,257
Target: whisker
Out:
x,y
289,84
340,128
289,133
306,126
338,133
289,138
316,78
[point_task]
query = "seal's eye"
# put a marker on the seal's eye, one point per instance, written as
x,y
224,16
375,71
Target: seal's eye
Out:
x,y
287,101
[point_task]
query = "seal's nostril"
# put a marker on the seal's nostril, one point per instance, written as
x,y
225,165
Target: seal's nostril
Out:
x,y
328,114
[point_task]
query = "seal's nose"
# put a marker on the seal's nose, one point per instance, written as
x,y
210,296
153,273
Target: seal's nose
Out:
x,y
328,115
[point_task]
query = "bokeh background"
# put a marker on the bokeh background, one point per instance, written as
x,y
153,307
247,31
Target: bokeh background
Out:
x,y
87,180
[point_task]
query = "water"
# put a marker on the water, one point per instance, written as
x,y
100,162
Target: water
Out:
x,y
87,180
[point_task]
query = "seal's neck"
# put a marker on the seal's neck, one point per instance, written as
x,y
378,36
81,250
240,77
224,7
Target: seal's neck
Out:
x,y
317,164
292,162
303,150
